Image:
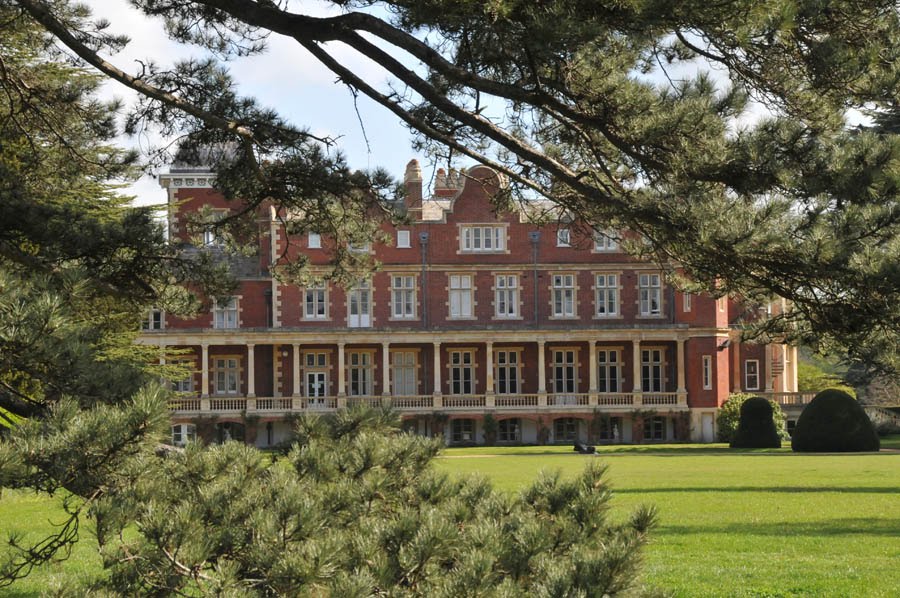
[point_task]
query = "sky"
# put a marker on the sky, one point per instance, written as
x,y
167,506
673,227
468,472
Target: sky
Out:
x,y
286,78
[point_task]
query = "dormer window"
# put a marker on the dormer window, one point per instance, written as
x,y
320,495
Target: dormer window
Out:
x,y
213,235
482,239
604,242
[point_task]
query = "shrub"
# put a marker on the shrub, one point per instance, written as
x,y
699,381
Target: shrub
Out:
x,y
757,427
834,422
730,415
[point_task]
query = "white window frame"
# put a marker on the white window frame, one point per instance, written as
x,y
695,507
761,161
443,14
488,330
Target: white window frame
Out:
x,y
313,240
563,237
606,295
226,375
507,375
404,367
655,428
565,429
212,235
315,301
403,296
365,247
563,295
687,301
482,238
509,430
186,384
462,430
653,370
461,296
565,370
462,371
604,242
181,434
506,296
707,372
755,375
154,320
650,294
609,370
403,239
360,373
360,296
226,315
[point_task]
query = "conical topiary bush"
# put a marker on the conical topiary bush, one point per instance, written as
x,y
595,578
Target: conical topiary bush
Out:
x,y
756,428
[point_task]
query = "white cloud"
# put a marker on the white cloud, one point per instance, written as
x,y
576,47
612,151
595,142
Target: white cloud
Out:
x,y
286,77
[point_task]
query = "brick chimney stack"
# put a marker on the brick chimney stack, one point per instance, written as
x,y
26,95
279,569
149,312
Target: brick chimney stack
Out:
x,y
412,179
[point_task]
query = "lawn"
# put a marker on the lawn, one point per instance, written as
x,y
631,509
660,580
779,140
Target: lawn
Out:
x,y
32,516
750,523
753,523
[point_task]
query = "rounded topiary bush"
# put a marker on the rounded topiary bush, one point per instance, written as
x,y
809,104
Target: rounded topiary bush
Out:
x,y
756,428
834,422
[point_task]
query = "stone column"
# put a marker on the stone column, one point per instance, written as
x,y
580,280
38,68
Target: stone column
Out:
x,y
385,369
795,356
542,369
785,372
437,369
296,369
489,368
204,370
341,373
592,366
736,367
769,379
251,370
636,365
680,365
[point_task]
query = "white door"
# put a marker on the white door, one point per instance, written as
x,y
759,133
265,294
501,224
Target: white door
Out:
x,y
315,388
706,427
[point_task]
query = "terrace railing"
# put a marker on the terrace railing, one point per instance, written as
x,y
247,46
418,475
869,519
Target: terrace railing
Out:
x,y
553,402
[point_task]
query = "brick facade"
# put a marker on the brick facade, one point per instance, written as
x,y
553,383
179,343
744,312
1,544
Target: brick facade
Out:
x,y
483,313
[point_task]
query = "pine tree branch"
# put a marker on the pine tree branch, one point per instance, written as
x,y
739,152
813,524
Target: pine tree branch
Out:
x,y
42,14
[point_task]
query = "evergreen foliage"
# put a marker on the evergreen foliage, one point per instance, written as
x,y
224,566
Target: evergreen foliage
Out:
x,y
78,269
834,422
632,116
756,428
729,416
355,509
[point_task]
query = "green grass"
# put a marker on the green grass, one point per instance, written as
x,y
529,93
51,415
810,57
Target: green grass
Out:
x,y
750,523
33,517
891,442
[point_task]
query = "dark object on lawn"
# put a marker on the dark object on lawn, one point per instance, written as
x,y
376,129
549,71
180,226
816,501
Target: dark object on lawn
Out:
x,y
756,428
584,449
834,422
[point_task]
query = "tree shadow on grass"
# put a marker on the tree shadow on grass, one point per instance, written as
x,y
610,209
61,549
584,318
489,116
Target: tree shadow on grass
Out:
x,y
857,526
605,452
786,489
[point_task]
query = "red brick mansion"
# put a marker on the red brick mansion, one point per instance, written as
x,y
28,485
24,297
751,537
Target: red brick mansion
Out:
x,y
476,327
